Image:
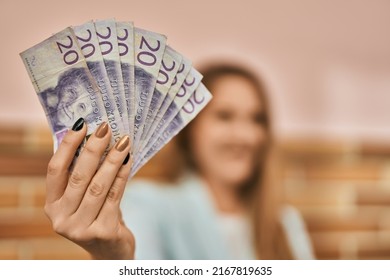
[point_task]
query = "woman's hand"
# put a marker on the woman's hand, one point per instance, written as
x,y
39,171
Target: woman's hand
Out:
x,y
83,204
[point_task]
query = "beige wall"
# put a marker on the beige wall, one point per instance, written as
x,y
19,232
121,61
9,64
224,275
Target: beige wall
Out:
x,y
327,63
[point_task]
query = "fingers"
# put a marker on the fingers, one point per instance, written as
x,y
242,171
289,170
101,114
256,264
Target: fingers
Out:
x,y
58,168
111,206
90,194
108,180
85,168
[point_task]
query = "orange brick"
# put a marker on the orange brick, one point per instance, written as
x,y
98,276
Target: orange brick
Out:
x,y
56,249
24,223
9,196
8,249
53,248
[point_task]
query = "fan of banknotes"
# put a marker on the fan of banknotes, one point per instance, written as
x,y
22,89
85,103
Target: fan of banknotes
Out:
x,y
112,71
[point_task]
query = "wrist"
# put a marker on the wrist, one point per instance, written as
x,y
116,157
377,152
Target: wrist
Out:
x,y
122,249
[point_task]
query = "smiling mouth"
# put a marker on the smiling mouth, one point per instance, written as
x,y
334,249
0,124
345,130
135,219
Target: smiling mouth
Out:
x,y
237,153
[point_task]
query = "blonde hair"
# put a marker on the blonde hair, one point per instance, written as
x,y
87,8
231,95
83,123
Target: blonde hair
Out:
x,y
261,191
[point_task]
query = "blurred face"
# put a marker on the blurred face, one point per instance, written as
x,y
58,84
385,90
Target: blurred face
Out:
x,y
70,107
229,134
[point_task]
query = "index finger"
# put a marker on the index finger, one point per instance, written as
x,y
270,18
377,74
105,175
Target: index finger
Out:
x,y
58,168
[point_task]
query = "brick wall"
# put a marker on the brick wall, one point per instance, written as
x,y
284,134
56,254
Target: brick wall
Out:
x,y
343,193
25,231
341,189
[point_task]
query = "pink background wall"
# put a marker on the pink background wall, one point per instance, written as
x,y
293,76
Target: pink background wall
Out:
x,y
327,63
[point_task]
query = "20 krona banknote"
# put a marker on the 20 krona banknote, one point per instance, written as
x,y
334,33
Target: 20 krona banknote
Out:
x,y
109,71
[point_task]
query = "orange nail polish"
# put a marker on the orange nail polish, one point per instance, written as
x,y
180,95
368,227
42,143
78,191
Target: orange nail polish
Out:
x,y
102,130
122,143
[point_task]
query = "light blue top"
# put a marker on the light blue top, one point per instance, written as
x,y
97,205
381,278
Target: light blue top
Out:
x,y
177,221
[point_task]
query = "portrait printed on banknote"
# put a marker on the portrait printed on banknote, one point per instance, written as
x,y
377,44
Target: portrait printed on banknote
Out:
x,y
66,102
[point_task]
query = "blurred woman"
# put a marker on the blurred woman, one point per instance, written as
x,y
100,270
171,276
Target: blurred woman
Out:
x,y
221,200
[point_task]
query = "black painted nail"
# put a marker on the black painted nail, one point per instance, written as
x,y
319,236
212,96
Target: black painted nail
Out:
x,y
78,124
126,159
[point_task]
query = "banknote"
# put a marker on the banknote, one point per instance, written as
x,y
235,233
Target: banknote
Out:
x,y
125,32
177,82
149,49
89,44
63,83
169,66
109,71
190,84
107,36
191,108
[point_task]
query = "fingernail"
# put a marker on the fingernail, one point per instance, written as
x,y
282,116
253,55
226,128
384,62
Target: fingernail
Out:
x,y
126,159
78,124
102,130
122,143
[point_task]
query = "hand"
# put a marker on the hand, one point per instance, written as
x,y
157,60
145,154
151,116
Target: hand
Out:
x,y
83,204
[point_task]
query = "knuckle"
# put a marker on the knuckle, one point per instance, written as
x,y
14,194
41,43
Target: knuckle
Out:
x,y
78,235
123,175
59,227
96,189
112,160
76,179
114,193
47,210
67,142
53,168
91,149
